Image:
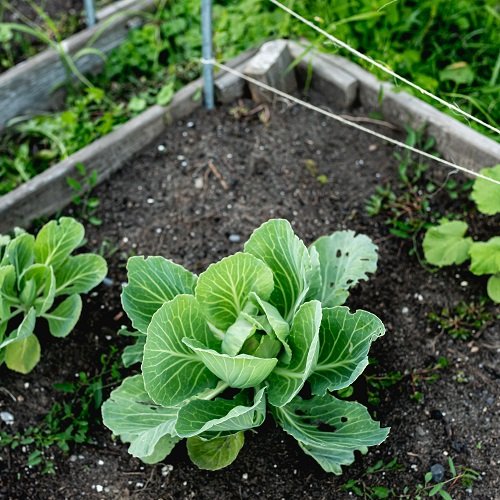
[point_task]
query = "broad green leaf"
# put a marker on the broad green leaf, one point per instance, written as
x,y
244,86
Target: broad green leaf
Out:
x,y
345,259
8,295
330,430
279,326
276,244
131,414
220,415
172,371
344,340
315,278
487,194
493,288
20,252
56,240
216,453
241,371
44,281
134,353
65,316
445,244
223,289
237,334
80,273
459,72
287,379
485,257
152,282
23,355
24,330
269,347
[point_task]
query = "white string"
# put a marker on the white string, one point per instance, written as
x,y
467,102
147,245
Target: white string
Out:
x,y
380,66
345,121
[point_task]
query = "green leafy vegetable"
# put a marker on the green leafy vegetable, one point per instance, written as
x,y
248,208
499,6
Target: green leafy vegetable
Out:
x,y
39,278
487,194
445,244
250,331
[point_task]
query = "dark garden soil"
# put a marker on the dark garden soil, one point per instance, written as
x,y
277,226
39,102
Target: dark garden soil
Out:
x,y
194,196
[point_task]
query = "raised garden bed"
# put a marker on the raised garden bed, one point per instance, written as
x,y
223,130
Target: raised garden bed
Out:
x,y
194,194
167,201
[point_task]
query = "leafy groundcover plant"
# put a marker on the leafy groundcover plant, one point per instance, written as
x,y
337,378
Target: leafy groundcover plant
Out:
x,y
446,244
39,278
247,334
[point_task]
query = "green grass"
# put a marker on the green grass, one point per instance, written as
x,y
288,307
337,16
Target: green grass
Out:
x,y
450,48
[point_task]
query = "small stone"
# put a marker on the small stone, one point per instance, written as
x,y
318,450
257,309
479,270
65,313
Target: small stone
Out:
x,y
150,201
459,446
166,470
244,476
6,417
98,488
161,148
73,458
107,281
234,238
184,164
198,183
158,230
405,310
464,283
26,385
180,157
139,485
100,462
372,147
420,431
437,471
190,124
437,415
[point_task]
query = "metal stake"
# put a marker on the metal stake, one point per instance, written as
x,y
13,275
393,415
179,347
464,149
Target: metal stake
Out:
x,y
208,70
90,12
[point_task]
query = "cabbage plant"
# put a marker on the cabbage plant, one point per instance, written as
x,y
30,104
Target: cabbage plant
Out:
x,y
447,244
220,349
40,279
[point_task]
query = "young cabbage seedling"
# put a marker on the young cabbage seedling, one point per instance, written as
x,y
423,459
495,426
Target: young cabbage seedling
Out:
x,y
39,278
246,335
446,244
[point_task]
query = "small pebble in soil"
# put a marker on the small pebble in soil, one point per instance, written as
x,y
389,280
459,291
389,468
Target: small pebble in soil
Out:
x,y
234,238
464,283
139,485
437,471
166,470
73,458
98,488
27,385
198,183
244,476
6,417
150,201
437,415
107,281
100,462
190,124
161,148
405,310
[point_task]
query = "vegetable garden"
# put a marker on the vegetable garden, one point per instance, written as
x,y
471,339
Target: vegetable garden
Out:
x,y
254,301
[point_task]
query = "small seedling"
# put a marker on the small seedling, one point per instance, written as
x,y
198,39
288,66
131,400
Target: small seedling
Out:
x,y
82,188
464,320
40,278
446,244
